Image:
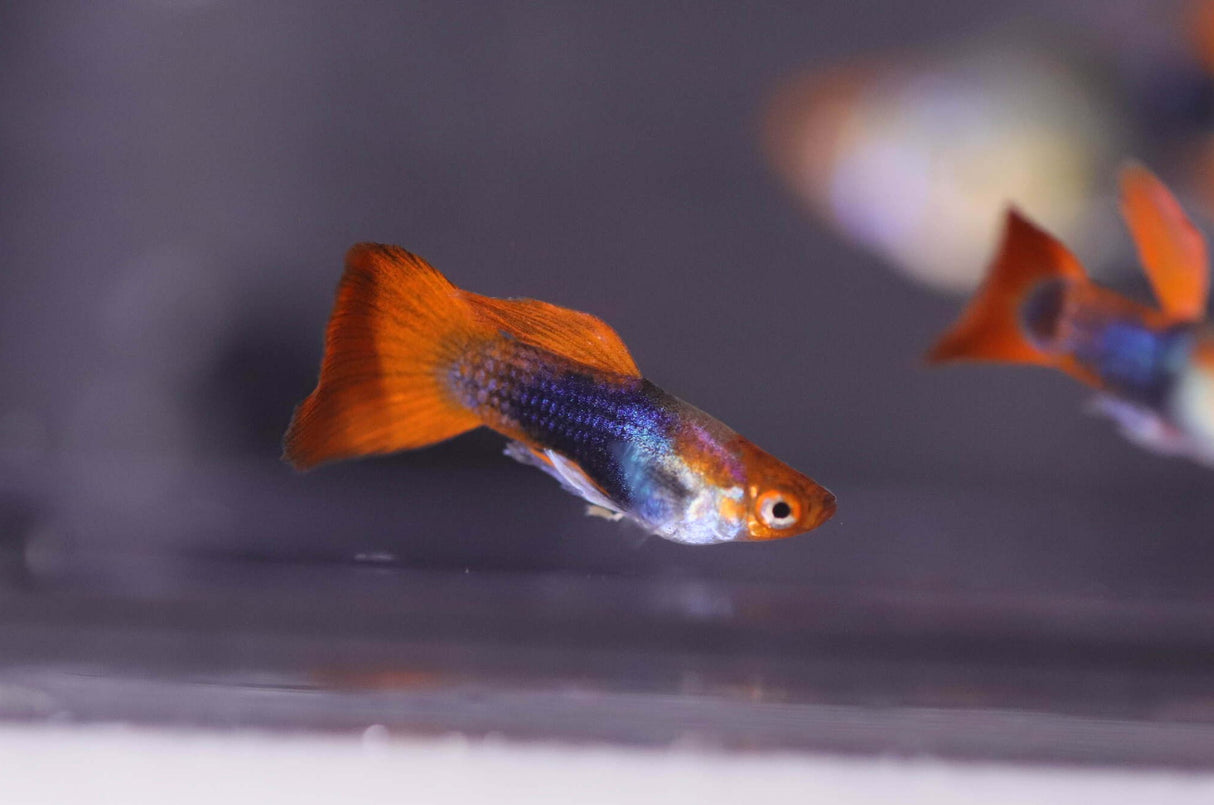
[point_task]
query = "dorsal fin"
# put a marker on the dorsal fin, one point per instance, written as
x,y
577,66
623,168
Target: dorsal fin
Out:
x,y
578,336
1171,249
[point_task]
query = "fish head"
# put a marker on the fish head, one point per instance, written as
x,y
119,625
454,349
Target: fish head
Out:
x,y
1192,401
779,501
715,486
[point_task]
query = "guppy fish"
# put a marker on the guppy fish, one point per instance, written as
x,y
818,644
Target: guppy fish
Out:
x,y
1153,366
411,360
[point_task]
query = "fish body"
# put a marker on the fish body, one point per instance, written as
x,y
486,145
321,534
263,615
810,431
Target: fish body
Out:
x,y
1153,365
410,360
956,131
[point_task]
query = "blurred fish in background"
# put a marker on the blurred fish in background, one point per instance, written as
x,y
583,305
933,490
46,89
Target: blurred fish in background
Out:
x,y
1153,365
915,155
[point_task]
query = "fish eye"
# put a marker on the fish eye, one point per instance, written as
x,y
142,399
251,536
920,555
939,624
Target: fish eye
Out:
x,y
778,511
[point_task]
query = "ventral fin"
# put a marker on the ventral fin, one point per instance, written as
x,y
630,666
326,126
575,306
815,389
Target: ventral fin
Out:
x,y
575,335
1171,249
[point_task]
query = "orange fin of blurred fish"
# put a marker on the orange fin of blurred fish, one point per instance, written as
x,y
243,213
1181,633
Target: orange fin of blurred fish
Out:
x,y
992,328
1171,249
396,322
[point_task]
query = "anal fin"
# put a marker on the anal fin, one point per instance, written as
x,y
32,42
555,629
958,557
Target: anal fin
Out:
x,y
606,514
570,476
1142,426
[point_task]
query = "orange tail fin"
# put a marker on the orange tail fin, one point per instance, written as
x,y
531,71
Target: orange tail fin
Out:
x,y
396,327
993,327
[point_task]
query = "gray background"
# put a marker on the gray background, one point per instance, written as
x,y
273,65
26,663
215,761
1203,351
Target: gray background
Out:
x,y
180,180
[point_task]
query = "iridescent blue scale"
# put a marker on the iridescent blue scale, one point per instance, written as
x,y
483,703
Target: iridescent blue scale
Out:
x,y
1134,361
617,432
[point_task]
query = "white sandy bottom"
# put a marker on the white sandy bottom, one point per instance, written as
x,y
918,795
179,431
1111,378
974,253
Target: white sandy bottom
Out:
x,y
113,764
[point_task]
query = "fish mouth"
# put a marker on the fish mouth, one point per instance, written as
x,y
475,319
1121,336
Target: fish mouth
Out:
x,y
826,508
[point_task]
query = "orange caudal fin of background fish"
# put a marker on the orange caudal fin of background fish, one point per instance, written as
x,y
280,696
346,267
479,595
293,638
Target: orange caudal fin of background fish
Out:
x,y
396,325
993,327
1171,249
